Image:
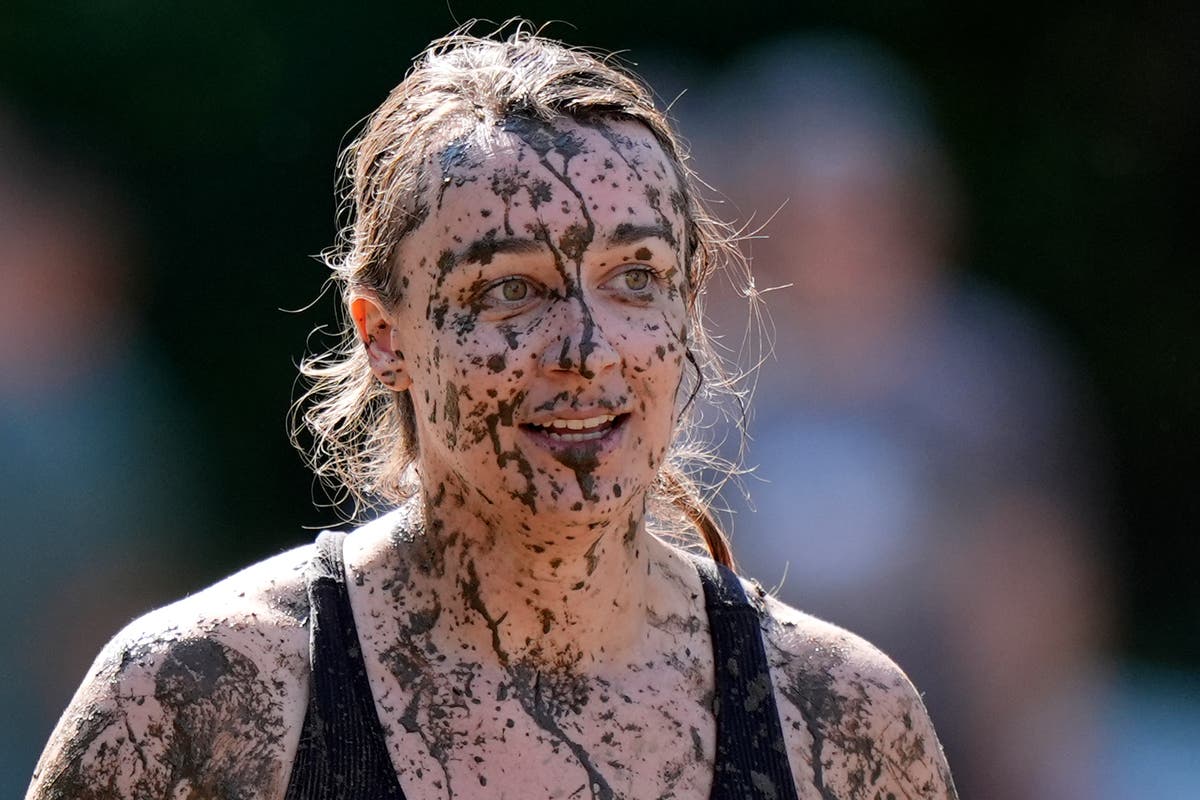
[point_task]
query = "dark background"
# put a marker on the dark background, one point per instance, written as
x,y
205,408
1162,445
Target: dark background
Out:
x,y
1073,127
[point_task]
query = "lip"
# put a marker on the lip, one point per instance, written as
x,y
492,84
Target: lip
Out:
x,y
574,444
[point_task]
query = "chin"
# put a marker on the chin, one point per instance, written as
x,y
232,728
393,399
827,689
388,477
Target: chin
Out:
x,y
561,500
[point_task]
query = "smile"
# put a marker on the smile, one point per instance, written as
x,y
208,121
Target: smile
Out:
x,y
577,430
570,431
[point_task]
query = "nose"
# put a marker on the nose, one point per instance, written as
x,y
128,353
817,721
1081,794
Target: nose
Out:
x,y
578,343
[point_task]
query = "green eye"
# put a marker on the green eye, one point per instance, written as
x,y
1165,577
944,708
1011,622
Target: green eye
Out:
x,y
637,279
514,290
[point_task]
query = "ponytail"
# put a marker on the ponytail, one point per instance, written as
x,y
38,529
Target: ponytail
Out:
x,y
687,501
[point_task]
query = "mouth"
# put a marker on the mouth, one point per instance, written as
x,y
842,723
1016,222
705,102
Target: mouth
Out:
x,y
576,431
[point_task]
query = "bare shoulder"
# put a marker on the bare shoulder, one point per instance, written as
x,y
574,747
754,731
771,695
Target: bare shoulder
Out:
x,y
202,698
854,724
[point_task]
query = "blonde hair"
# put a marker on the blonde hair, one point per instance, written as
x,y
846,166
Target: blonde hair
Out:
x,y
364,437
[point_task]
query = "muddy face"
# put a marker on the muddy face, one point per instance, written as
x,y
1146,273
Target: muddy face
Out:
x,y
543,322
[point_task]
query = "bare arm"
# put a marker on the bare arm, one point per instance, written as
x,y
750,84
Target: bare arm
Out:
x,y
185,703
856,728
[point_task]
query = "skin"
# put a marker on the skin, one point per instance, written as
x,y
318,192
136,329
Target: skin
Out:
x,y
524,635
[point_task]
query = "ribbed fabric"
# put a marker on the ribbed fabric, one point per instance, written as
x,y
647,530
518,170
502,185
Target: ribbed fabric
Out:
x,y
752,761
343,754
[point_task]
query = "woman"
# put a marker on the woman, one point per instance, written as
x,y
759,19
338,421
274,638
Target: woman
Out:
x,y
523,272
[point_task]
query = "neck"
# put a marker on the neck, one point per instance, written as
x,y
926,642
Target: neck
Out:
x,y
547,589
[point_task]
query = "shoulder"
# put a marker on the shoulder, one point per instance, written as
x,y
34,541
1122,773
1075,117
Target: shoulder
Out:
x,y
854,723
202,698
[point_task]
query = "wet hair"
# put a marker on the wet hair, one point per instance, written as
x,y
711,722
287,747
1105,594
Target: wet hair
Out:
x,y
363,434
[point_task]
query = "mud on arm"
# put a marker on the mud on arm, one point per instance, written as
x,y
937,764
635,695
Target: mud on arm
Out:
x,y
192,712
855,726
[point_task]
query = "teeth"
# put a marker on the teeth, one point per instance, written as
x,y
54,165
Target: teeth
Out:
x,y
578,437
572,430
580,424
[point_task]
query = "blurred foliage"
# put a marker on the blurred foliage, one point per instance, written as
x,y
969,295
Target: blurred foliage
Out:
x,y
1074,127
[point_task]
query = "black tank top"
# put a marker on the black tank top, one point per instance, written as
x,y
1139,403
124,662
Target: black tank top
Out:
x,y
343,754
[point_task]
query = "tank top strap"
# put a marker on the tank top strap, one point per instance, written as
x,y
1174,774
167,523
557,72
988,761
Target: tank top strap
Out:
x,y
342,752
752,761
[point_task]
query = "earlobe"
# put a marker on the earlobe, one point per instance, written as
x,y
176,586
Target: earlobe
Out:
x,y
379,336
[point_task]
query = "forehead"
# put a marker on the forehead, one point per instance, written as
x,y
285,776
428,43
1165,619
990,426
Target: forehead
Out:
x,y
527,173
533,142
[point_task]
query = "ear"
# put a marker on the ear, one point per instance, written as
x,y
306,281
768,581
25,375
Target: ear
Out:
x,y
377,332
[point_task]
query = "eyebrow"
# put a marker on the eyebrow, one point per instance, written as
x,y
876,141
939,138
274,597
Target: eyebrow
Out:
x,y
628,233
481,251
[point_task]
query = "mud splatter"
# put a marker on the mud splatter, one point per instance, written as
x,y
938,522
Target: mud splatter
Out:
x,y
483,249
470,592
504,417
582,459
654,198
850,758
619,143
456,162
590,556
547,695
220,734
450,414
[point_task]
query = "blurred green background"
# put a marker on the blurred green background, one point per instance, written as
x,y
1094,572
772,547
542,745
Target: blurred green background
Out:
x,y
1073,127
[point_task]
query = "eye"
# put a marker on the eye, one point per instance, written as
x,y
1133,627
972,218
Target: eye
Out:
x,y
636,279
514,290
634,282
511,293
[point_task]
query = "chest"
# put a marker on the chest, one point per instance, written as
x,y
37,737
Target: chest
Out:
x,y
455,728
460,725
